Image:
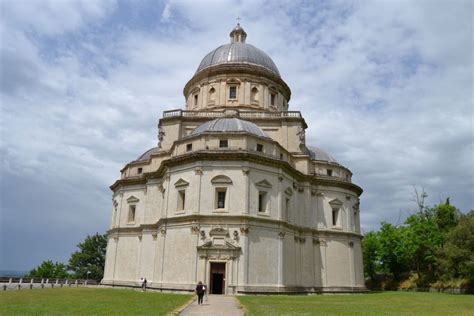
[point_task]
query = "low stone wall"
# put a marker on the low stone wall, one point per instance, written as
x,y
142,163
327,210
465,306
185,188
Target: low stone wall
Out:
x,y
7,283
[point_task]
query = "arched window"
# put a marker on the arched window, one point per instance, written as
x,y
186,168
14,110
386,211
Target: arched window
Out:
x,y
221,184
254,94
196,99
212,94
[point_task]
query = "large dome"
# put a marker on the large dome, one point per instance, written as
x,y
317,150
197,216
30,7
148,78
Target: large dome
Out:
x,y
238,53
229,125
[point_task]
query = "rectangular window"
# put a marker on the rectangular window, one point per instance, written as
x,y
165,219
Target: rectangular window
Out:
x,y
181,200
260,147
329,172
195,99
139,170
233,92
189,147
335,216
262,202
287,209
220,197
272,99
131,213
223,143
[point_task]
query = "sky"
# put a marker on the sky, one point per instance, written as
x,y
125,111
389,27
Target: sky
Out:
x,y
386,87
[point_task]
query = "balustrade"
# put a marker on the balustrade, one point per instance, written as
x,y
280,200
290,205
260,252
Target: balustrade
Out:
x,y
232,112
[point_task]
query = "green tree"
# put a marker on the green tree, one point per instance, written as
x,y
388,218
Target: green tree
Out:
x,y
48,269
90,257
392,253
422,238
456,257
447,216
370,252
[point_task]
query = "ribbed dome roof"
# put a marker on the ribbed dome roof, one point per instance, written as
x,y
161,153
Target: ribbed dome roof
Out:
x,y
147,154
228,125
238,53
319,154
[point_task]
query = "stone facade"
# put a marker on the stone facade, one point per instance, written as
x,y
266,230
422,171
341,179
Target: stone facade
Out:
x,y
232,195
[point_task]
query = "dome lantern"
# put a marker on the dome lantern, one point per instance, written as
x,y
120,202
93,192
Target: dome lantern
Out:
x,y
238,35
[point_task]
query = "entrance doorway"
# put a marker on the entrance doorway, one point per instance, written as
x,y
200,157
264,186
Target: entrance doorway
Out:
x,y
217,281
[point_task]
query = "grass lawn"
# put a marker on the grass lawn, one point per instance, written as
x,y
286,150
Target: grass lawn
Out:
x,y
87,301
386,303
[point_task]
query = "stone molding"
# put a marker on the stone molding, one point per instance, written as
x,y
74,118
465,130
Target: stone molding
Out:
x,y
181,183
232,220
264,184
336,202
218,231
221,179
237,70
133,199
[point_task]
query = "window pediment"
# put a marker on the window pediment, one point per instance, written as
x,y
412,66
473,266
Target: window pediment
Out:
x,y
219,232
221,179
233,81
264,184
336,202
133,199
181,183
226,245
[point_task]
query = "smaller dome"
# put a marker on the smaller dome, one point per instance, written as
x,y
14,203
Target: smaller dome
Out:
x,y
228,125
319,154
147,154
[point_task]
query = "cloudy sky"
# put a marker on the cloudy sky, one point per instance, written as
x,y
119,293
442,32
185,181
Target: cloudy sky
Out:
x,y
386,87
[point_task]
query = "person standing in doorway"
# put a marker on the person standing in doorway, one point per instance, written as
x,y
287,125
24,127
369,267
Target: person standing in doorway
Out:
x,y
200,292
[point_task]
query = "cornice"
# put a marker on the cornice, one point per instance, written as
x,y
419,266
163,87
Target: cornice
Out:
x,y
238,69
236,155
229,219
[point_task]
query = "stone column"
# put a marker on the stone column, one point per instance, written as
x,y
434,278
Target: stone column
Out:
x,y
167,179
198,172
154,237
139,257
281,239
246,172
163,245
320,211
324,272
313,204
244,230
195,230
247,92
281,196
351,264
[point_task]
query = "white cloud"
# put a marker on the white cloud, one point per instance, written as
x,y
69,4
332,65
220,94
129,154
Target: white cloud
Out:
x,y
166,14
51,17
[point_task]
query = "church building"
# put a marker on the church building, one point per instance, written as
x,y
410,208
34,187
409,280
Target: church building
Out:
x,y
232,195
